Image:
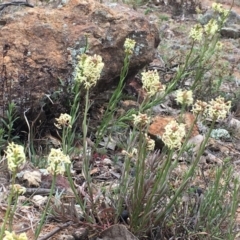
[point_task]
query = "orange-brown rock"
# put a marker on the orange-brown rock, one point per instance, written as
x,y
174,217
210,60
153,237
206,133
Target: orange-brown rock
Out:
x,y
157,128
40,46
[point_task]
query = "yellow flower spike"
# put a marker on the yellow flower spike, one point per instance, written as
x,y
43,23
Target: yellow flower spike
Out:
x,y
129,45
150,143
211,28
15,156
199,107
219,46
198,10
184,97
151,83
218,108
63,120
141,119
13,236
218,7
196,33
173,135
88,70
17,188
57,160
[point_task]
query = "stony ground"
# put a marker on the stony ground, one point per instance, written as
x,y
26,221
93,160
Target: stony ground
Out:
x,y
174,32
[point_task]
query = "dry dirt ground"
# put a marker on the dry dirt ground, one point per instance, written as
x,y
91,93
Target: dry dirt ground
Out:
x,y
176,31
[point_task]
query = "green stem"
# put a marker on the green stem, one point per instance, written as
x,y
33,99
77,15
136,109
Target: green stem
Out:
x,y
84,128
8,212
39,228
125,179
188,176
64,144
182,70
114,100
68,134
12,213
138,191
187,137
181,120
86,162
79,200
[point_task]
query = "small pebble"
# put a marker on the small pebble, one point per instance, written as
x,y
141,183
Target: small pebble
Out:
x,y
81,234
107,161
66,237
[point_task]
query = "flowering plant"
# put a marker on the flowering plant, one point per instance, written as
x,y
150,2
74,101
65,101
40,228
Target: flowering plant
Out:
x,y
173,135
151,83
57,160
15,156
63,120
184,97
13,236
88,70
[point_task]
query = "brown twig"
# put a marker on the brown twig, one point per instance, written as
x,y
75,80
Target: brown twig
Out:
x,y
37,191
55,230
3,5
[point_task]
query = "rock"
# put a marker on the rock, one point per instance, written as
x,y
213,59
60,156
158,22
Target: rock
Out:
x,y
234,124
40,46
81,234
39,200
212,159
157,128
65,237
196,142
107,161
233,18
183,7
237,108
231,27
231,32
117,232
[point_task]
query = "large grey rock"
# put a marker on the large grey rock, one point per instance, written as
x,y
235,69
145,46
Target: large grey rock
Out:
x,y
233,18
231,32
231,28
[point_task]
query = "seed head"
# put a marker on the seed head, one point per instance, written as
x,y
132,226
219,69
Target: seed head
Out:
x,y
131,154
63,121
